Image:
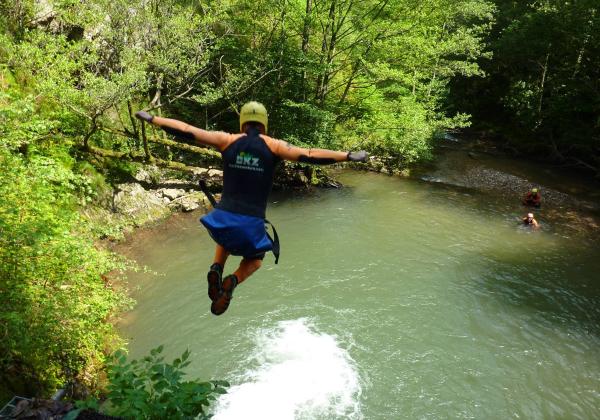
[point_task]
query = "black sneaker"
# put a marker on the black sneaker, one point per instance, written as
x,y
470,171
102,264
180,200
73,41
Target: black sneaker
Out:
x,y
221,304
214,281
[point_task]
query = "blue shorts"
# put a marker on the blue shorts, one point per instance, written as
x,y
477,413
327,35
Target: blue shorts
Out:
x,y
239,234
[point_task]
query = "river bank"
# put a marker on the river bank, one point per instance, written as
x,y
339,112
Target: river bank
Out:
x,y
570,199
149,195
472,163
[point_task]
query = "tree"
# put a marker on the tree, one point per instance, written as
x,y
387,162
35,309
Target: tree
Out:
x,y
55,298
543,85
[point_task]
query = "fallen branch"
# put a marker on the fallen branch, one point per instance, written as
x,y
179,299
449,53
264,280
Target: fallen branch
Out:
x,y
188,147
141,158
586,165
194,149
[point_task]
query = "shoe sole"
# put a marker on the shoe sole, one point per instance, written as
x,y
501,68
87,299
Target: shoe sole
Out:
x,y
220,305
228,286
214,287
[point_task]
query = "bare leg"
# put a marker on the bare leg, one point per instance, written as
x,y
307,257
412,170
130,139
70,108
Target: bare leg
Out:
x,y
247,268
221,255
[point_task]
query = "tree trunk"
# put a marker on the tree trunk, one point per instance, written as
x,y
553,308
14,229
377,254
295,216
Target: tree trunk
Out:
x,y
542,83
194,149
145,143
335,29
140,158
305,44
325,48
134,126
156,100
586,39
86,139
355,68
435,69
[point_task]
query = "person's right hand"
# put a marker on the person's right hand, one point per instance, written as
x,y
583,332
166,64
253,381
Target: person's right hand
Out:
x,y
144,116
360,156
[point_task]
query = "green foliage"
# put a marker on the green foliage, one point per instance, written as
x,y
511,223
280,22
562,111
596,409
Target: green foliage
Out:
x,y
319,66
544,80
306,125
333,74
15,16
152,389
93,185
55,301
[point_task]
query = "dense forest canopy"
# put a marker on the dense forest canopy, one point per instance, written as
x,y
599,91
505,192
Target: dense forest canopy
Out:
x,y
389,76
335,73
371,74
542,90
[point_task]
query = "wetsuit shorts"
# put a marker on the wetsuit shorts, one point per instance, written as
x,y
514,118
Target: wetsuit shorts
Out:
x,y
239,234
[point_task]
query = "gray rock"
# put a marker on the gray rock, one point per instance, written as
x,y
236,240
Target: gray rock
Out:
x,y
133,201
173,181
142,175
208,174
190,202
171,193
214,173
200,171
302,178
150,174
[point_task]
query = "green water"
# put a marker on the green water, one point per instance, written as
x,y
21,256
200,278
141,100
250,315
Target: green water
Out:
x,y
393,298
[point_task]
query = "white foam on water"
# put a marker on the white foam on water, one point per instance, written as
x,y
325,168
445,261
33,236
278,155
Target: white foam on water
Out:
x,y
301,374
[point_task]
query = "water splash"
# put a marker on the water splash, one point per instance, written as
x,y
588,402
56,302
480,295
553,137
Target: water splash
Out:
x,y
300,374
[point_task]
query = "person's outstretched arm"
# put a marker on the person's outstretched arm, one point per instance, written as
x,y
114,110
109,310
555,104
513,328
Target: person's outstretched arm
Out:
x,y
315,156
216,139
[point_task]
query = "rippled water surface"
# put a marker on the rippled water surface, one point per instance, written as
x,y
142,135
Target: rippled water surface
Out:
x,y
393,298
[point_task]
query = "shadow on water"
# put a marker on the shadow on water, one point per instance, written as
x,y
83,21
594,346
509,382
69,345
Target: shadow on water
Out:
x,y
550,273
564,295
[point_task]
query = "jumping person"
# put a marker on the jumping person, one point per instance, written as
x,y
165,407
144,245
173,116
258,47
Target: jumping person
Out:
x,y
237,224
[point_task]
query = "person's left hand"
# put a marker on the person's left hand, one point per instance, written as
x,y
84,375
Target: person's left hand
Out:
x,y
144,116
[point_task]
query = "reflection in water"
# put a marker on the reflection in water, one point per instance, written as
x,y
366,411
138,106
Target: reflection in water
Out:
x,y
441,306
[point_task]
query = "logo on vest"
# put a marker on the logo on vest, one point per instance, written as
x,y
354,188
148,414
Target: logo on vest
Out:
x,y
247,161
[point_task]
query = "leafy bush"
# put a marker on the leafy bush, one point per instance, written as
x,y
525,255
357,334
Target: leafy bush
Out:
x,y
151,389
55,300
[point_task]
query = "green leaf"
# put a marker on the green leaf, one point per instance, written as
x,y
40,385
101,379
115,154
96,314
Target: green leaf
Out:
x,y
72,415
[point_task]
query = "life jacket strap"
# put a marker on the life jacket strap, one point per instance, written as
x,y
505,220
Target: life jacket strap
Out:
x,y
276,246
207,193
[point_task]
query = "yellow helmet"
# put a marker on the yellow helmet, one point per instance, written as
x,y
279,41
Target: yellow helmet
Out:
x,y
253,111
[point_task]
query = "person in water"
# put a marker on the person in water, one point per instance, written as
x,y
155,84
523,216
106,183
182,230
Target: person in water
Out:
x,y
533,198
529,220
237,224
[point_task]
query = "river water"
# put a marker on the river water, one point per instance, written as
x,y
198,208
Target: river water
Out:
x,y
394,298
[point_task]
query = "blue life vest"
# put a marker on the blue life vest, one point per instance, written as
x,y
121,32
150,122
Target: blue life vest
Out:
x,y
239,234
